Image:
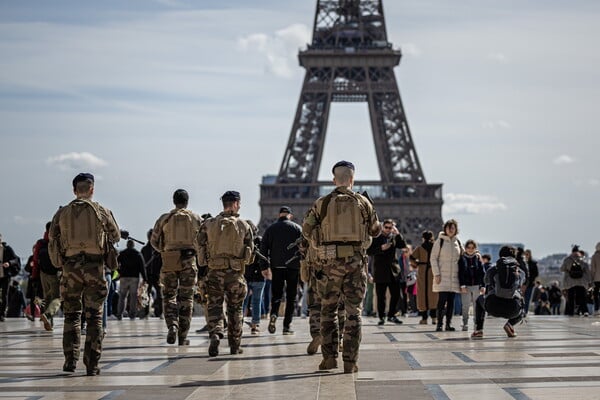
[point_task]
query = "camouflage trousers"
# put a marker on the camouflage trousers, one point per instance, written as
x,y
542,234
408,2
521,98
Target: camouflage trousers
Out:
x,y
347,279
313,301
83,279
177,285
226,285
51,289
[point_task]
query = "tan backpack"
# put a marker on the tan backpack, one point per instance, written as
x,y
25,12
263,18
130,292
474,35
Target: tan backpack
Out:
x,y
342,219
180,230
81,229
226,237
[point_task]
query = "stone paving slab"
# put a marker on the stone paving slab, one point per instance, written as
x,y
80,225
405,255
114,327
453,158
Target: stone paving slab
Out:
x,y
552,356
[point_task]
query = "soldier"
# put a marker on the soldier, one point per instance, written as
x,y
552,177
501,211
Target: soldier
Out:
x,y
175,236
226,246
79,237
341,225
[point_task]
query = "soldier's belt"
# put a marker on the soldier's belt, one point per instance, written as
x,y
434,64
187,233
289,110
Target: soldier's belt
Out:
x,y
85,258
332,251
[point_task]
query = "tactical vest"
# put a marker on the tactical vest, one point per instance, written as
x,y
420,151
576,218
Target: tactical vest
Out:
x,y
226,247
81,229
180,230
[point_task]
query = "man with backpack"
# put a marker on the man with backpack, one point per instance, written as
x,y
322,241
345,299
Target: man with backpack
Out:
x,y
340,226
576,279
503,296
226,246
50,277
79,238
175,236
10,265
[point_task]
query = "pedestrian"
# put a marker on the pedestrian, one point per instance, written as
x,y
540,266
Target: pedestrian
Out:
x,y
502,295
226,246
386,270
341,225
278,246
470,278
153,265
175,236
50,279
532,268
79,236
595,276
445,254
576,279
426,298
131,267
255,278
10,265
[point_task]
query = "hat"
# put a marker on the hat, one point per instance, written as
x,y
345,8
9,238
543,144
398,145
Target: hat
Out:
x,y
342,163
285,209
231,195
575,248
82,177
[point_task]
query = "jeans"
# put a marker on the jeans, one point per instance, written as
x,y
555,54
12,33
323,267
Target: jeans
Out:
x,y
255,289
266,297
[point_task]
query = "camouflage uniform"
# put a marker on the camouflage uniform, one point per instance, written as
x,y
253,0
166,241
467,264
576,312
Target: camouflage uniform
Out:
x,y
313,300
341,277
83,277
178,277
225,281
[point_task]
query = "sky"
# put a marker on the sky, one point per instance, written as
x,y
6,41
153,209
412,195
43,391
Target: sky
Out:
x,y
150,96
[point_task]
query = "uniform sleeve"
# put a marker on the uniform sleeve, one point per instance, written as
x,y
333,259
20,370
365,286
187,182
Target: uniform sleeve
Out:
x,y
112,229
310,222
155,239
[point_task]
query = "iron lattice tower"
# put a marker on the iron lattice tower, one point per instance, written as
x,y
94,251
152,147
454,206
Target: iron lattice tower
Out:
x,y
351,60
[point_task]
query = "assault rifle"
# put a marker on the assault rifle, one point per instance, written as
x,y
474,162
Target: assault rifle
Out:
x,y
298,254
125,235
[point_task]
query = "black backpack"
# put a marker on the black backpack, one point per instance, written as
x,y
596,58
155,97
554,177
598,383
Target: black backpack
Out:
x,y
506,278
44,259
576,270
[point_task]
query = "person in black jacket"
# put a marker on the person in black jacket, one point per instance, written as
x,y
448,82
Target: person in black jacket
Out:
x,y
532,265
386,269
470,278
10,265
153,264
285,266
131,266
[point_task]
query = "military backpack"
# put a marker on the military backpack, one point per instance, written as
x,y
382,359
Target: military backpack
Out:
x,y
342,219
180,230
81,229
226,245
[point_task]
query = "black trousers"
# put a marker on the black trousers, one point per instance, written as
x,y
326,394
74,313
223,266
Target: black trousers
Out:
x,y
445,299
576,301
512,309
4,282
289,278
380,289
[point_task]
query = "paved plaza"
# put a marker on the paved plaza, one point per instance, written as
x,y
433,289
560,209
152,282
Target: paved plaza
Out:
x,y
552,357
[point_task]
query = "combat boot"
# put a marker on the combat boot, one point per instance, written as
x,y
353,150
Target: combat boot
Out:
x,y
213,348
313,346
172,335
69,366
350,367
93,371
46,322
235,350
328,363
183,341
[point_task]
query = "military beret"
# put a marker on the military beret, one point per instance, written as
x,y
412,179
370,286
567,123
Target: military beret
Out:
x,y
342,163
285,209
231,195
82,177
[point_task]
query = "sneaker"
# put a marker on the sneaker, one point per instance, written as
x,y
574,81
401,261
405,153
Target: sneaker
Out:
x,y
350,367
450,328
433,321
254,329
69,366
510,331
288,331
203,329
29,317
477,334
172,334
438,328
465,328
236,350
328,363
272,322
395,320
213,348
313,346
381,321
423,322
46,322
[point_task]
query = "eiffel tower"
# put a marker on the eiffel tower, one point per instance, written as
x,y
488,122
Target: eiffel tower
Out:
x,y
351,60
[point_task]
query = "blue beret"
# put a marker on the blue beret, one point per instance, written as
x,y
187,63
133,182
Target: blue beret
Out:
x,y
82,177
231,195
342,163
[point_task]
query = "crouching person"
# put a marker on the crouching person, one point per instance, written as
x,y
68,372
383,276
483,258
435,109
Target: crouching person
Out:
x,y
502,296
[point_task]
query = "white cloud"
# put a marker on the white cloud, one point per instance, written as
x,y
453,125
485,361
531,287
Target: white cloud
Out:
x,y
457,203
279,49
74,161
498,57
563,159
499,124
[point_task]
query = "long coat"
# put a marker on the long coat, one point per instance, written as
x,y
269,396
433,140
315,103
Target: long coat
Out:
x,y
426,298
444,262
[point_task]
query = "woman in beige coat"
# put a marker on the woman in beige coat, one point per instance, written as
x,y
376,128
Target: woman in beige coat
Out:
x,y
445,254
427,299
